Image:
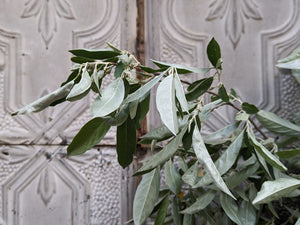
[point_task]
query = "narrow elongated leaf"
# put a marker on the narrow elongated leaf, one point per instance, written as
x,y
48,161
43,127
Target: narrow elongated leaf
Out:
x,y
113,47
204,157
187,139
165,103
213,52
119,69
238,177
146,196
173,178
126,142
165,154
191,175
199,89
298,221
180,93
223,94
97,78
88,136
293,64
81,60
80,89
162,212
272,190
144,89
45,101
201,203
222,133
226,161
249,108
295,55
180,68
111,99
188,219
231,209
288,153
94,54
119,118
277,125
247,213
265,153
177,217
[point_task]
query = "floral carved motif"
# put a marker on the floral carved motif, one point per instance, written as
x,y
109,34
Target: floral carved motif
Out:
x,y
235,13
47,12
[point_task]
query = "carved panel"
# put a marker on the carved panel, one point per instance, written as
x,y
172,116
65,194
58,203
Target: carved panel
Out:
x,y
252,38
65,190
39,183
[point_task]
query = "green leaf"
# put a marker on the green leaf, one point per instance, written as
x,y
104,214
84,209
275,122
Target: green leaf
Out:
x,y
113,47
97,78
293,64
82,88
188,219
150,70
111,99
277,125
288,153
143,109
222,133
180,93
231,209
187,139
161,133
238,177
177,218
242,116
273,190
265,153
119,117
249,108
47,100
173,178
119,69
162,212
133,106
295,55
180,68
165,154
201,203
223,94
247,213
94,54
146,196
143,90
165,103
71,77
126,142
298,221
204,157
191,175
199,89
213,52
81,60
88,136
226,161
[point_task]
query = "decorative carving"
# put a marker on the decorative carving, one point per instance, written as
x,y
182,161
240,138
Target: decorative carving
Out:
x,y
235,12
48,10
46,186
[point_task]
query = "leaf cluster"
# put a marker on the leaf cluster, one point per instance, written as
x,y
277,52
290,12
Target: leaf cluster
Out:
x,y
228,176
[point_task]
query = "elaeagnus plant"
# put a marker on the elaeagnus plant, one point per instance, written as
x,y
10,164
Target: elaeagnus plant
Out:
x,y
235,175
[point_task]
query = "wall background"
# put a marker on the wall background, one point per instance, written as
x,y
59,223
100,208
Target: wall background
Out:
x,y
39,183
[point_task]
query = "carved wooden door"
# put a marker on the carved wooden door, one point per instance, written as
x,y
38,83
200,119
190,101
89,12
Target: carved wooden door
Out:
x,y
39,184
252,34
